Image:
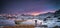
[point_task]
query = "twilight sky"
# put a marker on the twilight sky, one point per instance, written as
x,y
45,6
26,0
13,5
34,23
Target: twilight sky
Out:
x,y
29,6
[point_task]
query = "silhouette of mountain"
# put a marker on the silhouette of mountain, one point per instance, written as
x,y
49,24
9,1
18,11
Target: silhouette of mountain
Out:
x,y
57,13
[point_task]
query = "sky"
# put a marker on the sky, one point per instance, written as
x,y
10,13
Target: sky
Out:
x,y
29,6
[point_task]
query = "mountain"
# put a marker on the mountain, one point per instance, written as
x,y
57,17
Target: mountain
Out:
x,y
46,15
57,13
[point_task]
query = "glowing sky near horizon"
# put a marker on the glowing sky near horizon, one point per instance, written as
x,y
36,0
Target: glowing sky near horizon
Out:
x,y
28,6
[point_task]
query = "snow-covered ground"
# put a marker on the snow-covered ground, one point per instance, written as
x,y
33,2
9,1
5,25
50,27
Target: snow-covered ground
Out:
x,y
32,22
7,23
49,23
39,27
